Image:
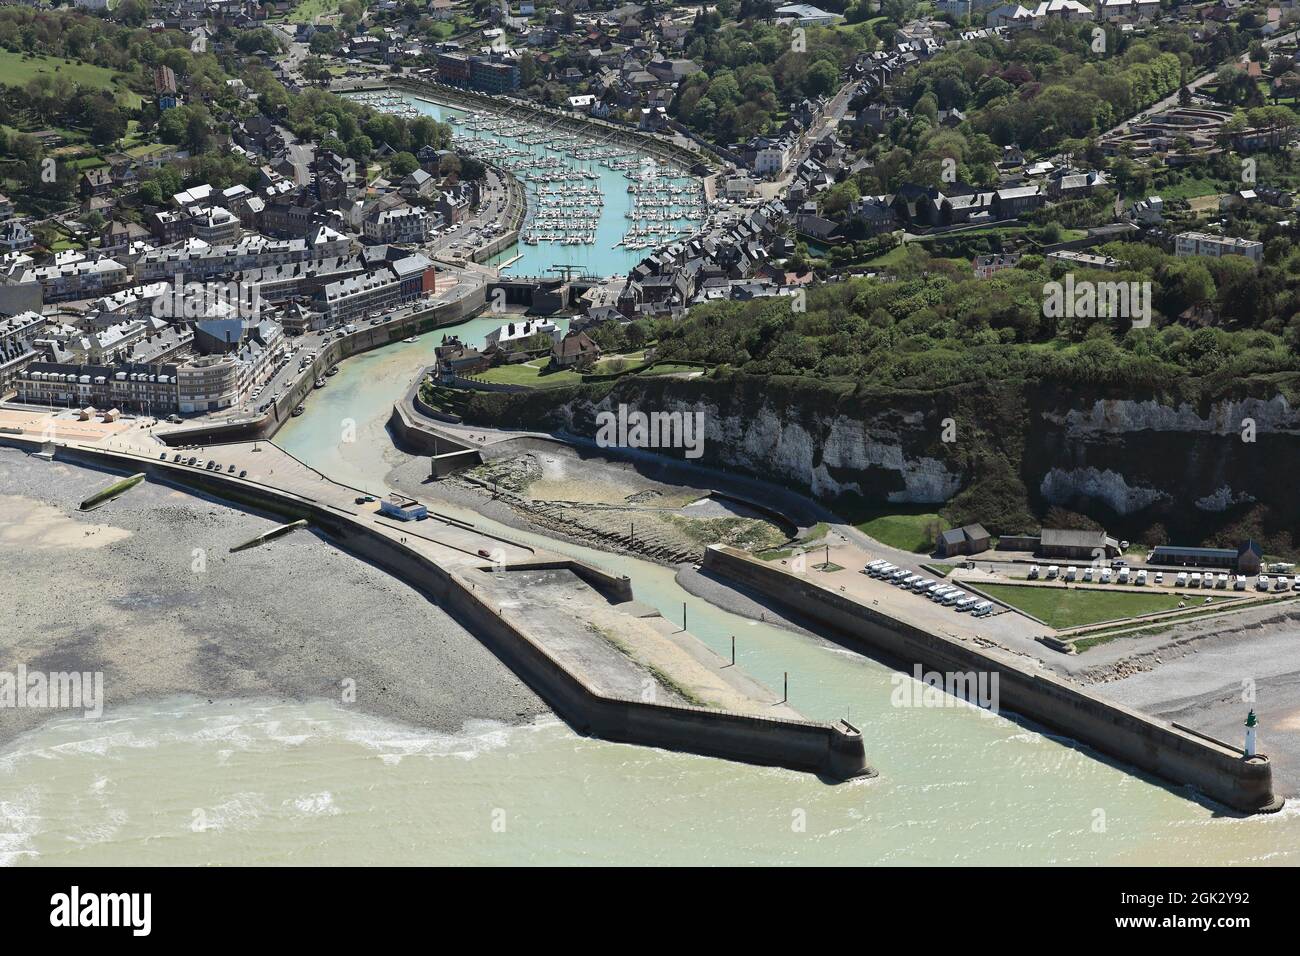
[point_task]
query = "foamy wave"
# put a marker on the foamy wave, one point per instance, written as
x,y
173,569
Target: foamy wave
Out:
x,y
315,804
474,739
21,823
240,812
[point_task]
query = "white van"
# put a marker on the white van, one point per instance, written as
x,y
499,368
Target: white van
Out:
x,y
1033,572
1261,583
1123,575
953,597
1195,581
1071,573
1181,580
966,603
1221,582
1053,571
938,594
1239,582
1089,573
983,608
1141,578
1105,575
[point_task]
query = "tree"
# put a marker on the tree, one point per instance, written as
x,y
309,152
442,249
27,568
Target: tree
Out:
x,y
404,164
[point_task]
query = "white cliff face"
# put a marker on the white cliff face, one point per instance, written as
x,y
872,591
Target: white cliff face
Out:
x,y
1115,416
1223,498
1061,484
810,452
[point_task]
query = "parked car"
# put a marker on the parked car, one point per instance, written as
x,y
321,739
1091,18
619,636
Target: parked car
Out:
x,y
1071,573
1181,580
1141,578
1261,583
1089,573
1221,582
1053,572
1160,577
1239,582
1123,575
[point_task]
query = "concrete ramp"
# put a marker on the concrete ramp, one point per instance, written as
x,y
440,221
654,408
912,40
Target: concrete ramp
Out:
x,y
269,536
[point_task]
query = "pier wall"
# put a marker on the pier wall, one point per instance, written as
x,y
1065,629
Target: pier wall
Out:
x,y
1214,768
834,751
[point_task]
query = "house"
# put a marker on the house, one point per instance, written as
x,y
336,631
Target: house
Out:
x,y
985,266
575,350
1015,202
96,182
1079,545
1149,211
1245,558
164,84
970,539
15,237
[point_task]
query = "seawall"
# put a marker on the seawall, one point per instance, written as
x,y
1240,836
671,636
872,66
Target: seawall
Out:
x,y
831,750
1173,753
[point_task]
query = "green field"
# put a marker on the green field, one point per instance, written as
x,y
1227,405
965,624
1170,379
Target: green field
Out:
x,y
534,374
537,373
308,10
907,531
16,70
1061,607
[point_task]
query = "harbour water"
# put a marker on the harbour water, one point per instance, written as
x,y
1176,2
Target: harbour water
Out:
x,y
272,782
593,204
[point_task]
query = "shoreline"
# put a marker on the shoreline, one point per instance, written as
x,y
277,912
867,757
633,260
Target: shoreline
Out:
x,y
176,614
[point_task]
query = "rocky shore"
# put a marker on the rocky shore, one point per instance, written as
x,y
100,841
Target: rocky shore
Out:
x,y
146,591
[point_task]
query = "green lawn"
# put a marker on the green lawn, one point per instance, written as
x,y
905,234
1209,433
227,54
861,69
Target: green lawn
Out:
x,y
15,70
670,368
533,374
308,10
1061,607
905,530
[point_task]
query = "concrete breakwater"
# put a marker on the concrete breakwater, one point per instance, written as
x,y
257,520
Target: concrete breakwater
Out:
x,y
1184,757
831,750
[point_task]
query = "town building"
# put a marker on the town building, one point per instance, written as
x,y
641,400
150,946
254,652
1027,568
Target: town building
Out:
x,y
1204,244
969,539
